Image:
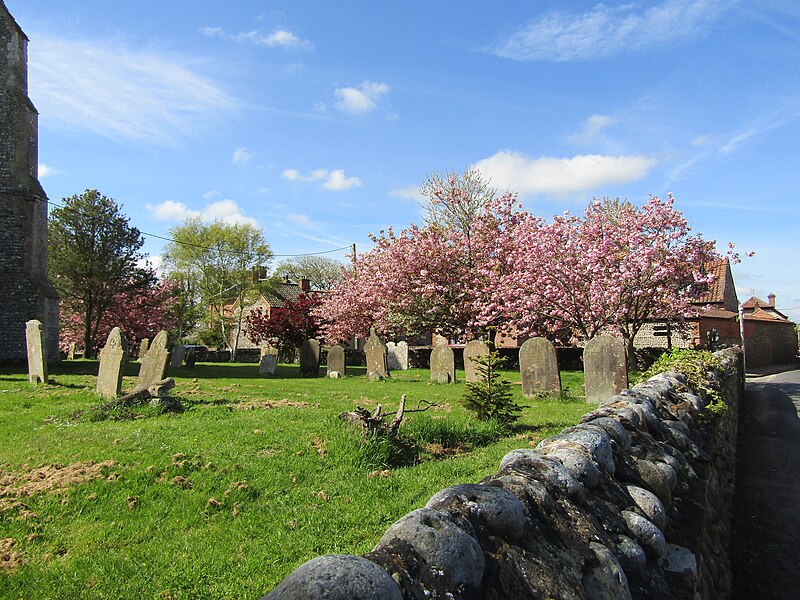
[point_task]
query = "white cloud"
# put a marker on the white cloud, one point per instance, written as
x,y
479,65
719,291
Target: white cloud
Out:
x,y
212,31
608,30
212,194
362,99
222,210
410,192
592,128
298,219
122,93
547,175
280,38
241,155
335,180
46,170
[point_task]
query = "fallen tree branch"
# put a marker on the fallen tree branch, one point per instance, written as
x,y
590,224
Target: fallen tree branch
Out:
x,y
373,422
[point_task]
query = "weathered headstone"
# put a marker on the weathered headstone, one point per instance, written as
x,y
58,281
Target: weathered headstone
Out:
x,y
178,356
377,361
538,366
336,362
268,364
309,358
474,349
113,357
37,358
443,363
154,362
397,356
605,368
71,351
144,345
191,358
267,348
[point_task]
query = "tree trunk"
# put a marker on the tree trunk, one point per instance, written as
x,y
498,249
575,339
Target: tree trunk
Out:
x,y
87,332
630,352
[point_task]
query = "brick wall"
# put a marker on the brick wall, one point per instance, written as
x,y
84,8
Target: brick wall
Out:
x,y
769,343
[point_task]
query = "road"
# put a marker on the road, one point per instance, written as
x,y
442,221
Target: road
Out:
x,y
766,528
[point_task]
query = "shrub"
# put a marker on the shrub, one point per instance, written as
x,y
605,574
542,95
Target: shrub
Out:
x,y
695,365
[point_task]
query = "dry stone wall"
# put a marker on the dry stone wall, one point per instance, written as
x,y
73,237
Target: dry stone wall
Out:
x,y
633,502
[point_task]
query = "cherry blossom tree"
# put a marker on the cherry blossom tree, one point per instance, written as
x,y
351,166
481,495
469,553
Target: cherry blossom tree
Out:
x,y
611,270
422,279
139,314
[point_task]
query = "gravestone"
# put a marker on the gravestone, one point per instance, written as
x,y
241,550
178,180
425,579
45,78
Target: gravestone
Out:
x,y
443,363
178,355
377,357
267,348
154,362
191,358
397,356
474,349
336,361
309,358
113,357
144,345
605,368
538,366
37,357
268,364
71,351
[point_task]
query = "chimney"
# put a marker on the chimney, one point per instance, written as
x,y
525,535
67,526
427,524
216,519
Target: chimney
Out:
x,y
771,299
305,284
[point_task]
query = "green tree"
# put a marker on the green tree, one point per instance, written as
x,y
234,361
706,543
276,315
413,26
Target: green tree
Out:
x,y
220,264
491,397
94,255
321,271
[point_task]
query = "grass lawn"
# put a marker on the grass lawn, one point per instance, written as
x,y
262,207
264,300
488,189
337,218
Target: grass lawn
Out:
x,y
223,500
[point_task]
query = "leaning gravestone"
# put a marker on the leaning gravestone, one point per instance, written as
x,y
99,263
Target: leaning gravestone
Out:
x,y
37,357
605,368
474,349
154,362
443,363
336,362
178,355
113,357
538,366
144,346
377,353
71,351
268,364
397,356
309,359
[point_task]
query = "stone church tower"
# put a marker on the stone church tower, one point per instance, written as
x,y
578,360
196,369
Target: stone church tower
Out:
x,y
25,291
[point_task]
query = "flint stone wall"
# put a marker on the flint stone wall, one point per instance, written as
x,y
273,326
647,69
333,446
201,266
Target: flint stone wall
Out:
x,y
633,502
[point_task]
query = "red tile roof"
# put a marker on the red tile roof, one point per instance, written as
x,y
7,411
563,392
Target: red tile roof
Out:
x,y
716,294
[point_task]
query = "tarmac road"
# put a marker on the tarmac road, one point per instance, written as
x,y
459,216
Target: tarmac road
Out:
x,y
766,527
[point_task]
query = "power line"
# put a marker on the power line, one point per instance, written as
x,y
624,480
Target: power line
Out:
x,y
202,247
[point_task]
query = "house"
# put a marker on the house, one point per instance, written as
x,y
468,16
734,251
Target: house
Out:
x,y
714,316
769,336
281,293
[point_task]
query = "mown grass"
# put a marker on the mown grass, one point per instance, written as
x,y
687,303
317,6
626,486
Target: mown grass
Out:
x,y
224,499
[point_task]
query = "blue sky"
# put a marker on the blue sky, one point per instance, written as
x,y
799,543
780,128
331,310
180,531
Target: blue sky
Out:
x,y
319,120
